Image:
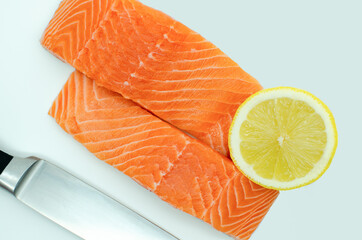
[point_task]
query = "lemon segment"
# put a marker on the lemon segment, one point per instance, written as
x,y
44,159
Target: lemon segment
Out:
x,y
283,138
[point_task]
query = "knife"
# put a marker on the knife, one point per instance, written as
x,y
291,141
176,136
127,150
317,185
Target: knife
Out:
x,y
72,203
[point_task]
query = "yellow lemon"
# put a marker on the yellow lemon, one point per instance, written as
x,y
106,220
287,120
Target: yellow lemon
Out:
x,y
283,138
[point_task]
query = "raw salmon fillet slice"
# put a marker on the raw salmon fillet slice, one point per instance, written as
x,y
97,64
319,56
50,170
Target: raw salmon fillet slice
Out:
x,y
154,60
181,170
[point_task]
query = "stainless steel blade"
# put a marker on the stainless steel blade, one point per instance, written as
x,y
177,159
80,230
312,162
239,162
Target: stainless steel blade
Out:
x,y
77,206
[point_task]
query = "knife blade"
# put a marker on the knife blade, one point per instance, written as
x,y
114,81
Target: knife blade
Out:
x,y
73,204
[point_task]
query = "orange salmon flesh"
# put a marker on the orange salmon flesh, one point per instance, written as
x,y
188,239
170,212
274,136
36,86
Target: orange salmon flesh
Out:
x,y
156,61
178,168
142,78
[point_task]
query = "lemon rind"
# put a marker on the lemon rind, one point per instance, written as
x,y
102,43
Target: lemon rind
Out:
x,y
317,105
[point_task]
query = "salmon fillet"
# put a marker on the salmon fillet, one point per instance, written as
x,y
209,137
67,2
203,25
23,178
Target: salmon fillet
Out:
x,y
181,170
156,61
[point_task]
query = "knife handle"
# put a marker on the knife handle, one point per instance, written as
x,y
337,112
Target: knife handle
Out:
x,y
4,160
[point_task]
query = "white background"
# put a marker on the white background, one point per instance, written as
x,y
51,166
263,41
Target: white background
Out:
x,y
312,44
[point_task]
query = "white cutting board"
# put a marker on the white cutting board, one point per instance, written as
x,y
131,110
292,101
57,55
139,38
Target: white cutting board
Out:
x,y
314,45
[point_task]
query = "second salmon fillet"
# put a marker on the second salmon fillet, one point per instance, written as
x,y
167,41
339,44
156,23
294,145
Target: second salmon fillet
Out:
x,y
179,169
156,61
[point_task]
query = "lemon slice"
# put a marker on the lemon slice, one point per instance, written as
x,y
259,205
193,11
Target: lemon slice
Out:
x,y
283,138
